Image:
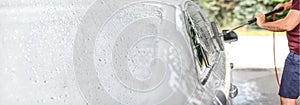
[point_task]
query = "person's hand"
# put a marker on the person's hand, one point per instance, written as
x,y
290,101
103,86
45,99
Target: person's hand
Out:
x,y
281,5
261,18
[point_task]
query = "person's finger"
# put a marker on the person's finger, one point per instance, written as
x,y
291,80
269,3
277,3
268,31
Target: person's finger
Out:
x,y
280,5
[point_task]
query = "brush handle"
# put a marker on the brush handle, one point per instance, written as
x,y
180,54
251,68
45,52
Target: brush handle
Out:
x,y
267,14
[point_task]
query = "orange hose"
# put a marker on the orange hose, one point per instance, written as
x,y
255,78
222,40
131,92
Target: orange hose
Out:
x,y
274,54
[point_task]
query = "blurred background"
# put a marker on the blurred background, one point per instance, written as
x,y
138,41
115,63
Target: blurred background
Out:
x,y
228,13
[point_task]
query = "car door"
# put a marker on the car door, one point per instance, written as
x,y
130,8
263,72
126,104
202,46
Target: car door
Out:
x,y
94,52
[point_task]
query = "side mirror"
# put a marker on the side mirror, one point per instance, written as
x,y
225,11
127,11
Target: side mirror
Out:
x,y
229,37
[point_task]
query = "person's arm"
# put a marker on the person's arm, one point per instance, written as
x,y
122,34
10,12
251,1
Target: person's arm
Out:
x,y
287,24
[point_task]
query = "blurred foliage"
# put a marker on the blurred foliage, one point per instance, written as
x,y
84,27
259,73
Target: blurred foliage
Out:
x,y
228,13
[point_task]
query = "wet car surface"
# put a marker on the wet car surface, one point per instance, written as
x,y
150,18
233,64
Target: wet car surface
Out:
x,y
111,52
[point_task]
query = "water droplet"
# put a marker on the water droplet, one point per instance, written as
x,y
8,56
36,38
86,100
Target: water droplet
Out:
x,y
59,97
52,98
28,59
66,94
36,81
57,70
122,38
43,100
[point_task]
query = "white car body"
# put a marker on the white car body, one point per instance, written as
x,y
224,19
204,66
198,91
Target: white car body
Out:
x,y
112,52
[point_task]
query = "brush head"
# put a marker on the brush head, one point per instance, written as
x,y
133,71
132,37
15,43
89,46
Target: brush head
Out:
x,y
229,36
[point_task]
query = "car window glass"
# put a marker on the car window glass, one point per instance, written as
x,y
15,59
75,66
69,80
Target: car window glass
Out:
x,y
198,29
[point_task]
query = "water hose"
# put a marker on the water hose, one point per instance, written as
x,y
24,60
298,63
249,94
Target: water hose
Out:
x,y
274,54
